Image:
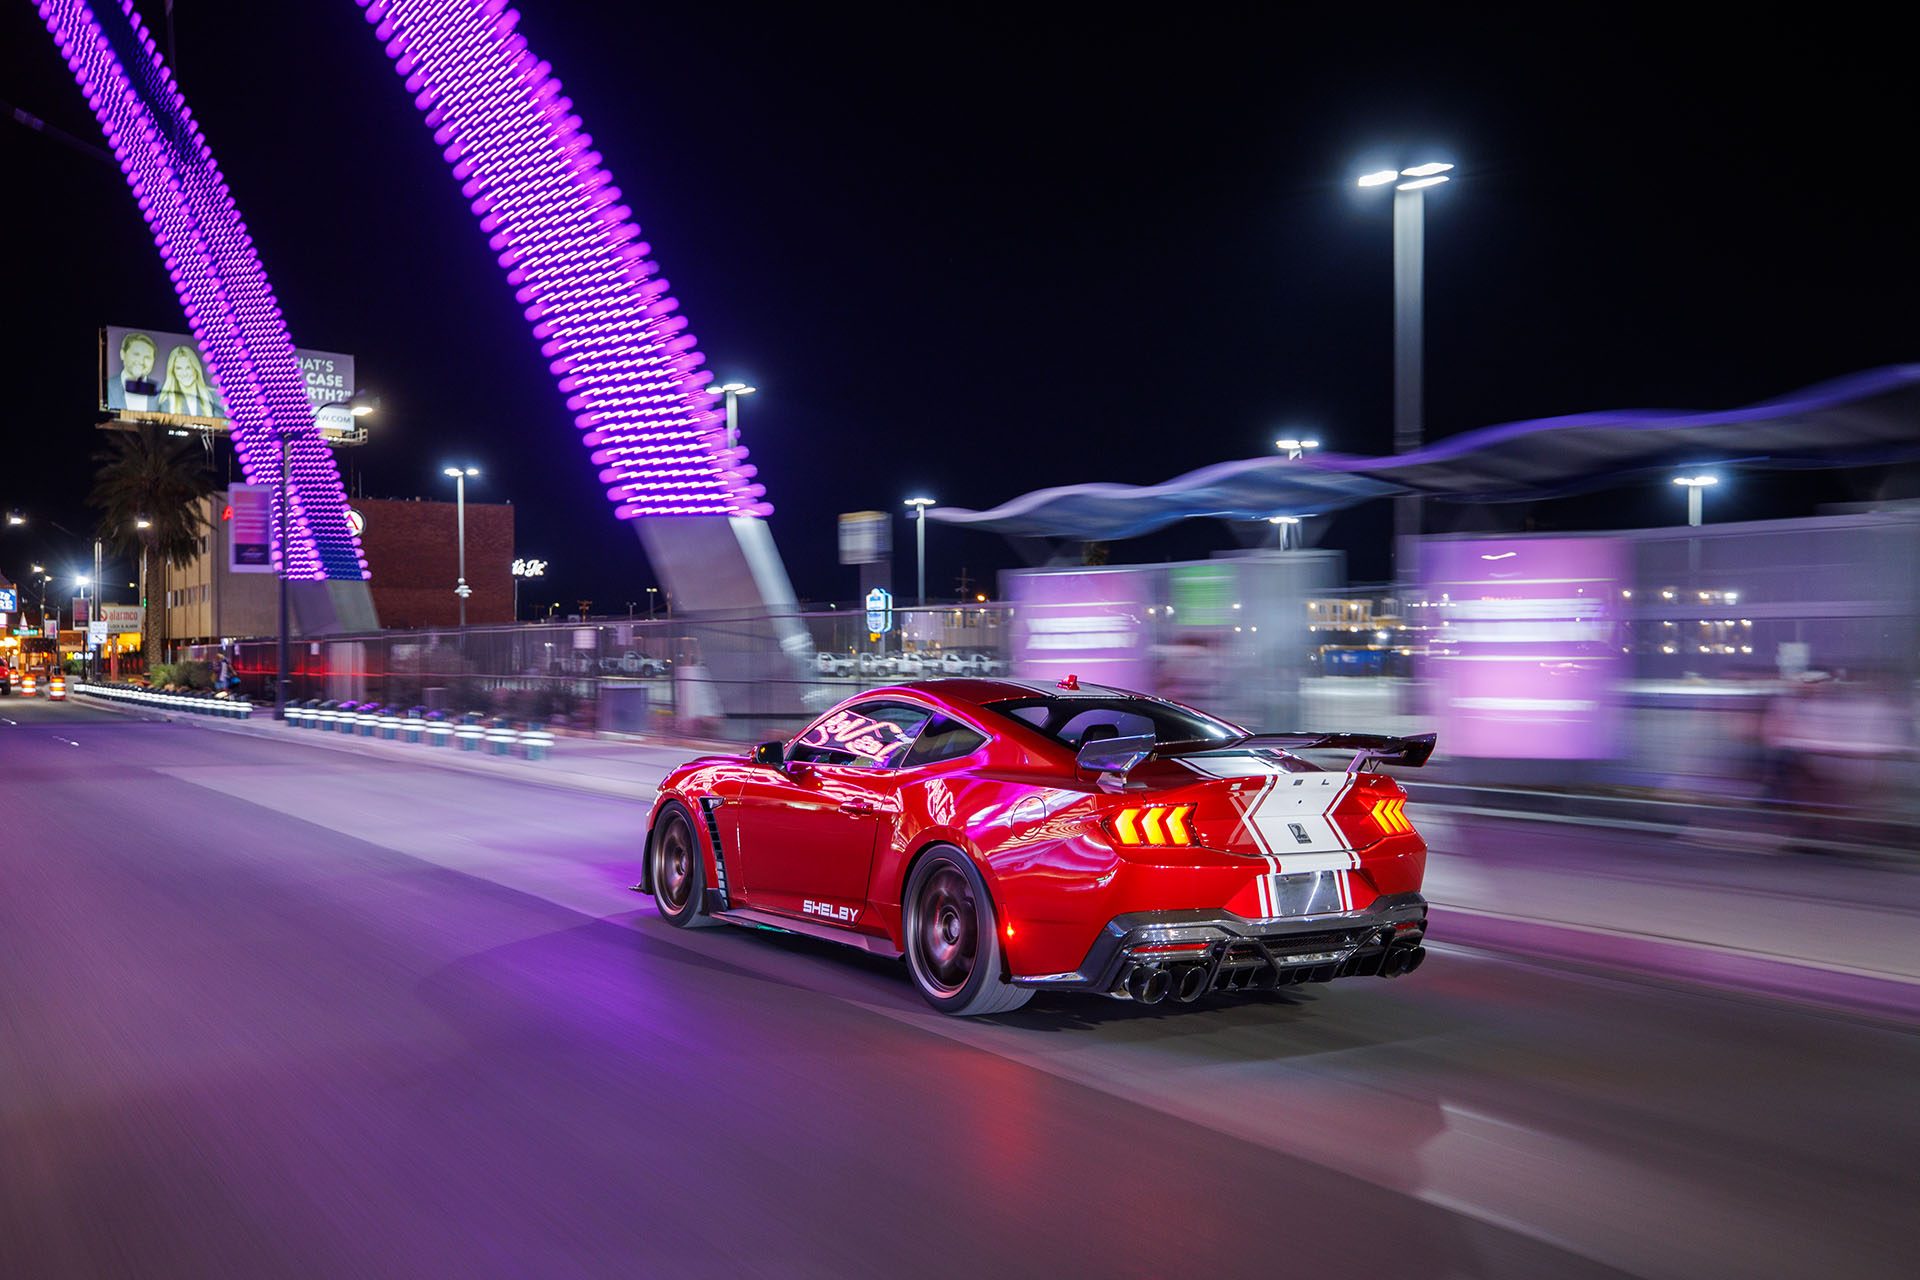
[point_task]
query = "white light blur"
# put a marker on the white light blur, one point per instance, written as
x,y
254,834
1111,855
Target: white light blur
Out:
x,y
1696,482
1426,170
1419,183
1379,178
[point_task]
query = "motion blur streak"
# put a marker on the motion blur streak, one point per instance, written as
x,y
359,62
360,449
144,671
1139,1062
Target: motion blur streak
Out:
x,y
271,1009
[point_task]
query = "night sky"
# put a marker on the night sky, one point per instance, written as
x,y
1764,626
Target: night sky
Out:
x,y
976,251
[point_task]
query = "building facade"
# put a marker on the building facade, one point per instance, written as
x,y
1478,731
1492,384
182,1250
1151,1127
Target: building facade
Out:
x,y
412,550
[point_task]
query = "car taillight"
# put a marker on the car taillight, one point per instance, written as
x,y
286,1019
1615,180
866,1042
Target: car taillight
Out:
x,y
1390,814
1155,824
1374,810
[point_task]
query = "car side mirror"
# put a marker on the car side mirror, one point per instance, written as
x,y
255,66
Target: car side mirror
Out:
x,y
771,754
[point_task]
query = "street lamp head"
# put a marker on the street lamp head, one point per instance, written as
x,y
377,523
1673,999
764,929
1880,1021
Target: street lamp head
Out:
x,y
141,522
1287,443
1696,482
39,568
360,404
1427,170
460,471
738,388
1419,183
1379,178
16,517
82,580
921,503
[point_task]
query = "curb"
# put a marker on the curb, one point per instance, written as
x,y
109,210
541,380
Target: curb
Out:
x,y
534,773
1679,962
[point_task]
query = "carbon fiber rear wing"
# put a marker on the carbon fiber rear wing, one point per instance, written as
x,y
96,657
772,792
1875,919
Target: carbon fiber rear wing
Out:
x,y
1123,755
1368,748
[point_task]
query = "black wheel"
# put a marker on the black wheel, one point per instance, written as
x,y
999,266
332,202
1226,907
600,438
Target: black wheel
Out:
x,y
679,872
953,938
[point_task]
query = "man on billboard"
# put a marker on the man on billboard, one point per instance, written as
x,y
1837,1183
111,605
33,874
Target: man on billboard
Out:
x,y
132,387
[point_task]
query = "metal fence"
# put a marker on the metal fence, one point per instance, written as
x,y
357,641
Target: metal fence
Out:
x,y
636,675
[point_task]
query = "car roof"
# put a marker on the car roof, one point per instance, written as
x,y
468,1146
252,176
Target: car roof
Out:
x,y
977,691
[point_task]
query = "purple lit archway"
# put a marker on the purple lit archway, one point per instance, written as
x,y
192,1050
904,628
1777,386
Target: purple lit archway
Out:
x,y
571,250
216,274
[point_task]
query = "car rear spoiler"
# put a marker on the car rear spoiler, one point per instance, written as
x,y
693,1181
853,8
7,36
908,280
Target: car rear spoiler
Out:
x,y
1368,748
1123,755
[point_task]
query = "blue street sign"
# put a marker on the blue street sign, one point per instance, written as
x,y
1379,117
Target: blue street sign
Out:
x,y
879,610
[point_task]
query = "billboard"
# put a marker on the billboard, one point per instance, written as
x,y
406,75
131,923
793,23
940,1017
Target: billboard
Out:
x,y
248,517
1524,645
866,537
9,600
80,613
1090,624
150,373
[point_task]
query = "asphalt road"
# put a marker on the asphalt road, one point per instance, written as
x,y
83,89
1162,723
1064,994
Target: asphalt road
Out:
x,y
267,1010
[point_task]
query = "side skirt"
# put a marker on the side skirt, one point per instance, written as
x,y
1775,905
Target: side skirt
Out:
x,y
753,919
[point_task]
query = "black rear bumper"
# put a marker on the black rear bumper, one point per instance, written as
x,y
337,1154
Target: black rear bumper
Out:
x,y
1384,939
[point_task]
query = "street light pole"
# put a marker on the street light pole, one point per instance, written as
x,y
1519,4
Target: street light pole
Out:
x,y
1695,485
920,506
732,391
359,404
283,666
1409,271
461,589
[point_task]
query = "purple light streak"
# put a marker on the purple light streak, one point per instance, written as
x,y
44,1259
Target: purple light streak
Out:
x,y
216,273
622,357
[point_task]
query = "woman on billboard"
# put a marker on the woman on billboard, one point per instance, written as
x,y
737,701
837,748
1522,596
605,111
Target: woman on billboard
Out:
x,y
187,391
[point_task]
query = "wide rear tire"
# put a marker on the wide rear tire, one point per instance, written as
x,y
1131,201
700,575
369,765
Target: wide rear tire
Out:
x,y
953,938
678,870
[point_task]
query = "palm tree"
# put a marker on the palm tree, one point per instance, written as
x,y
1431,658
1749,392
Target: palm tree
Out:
x,y
149,490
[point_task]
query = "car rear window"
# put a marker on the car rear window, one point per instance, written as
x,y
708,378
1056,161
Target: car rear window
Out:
x,y
1074,722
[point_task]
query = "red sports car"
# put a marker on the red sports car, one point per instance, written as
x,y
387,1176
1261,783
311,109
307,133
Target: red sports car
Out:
x,y
1011,836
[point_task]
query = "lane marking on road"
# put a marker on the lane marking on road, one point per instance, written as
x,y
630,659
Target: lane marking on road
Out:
x,y
69,741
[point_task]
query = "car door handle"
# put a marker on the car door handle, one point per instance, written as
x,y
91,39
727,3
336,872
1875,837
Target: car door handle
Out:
x,y
856,807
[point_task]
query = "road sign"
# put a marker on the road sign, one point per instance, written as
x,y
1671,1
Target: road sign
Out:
x,y
879,610
9,600
96,634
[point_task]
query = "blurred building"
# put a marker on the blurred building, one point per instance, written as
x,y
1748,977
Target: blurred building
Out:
x,y
412,553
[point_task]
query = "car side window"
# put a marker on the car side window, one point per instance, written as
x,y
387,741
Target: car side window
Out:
x,y
867,735
944,739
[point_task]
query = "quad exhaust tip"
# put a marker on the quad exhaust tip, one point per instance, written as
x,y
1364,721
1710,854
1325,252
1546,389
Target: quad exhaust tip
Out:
x,y
1402,960
1192,984
1148,985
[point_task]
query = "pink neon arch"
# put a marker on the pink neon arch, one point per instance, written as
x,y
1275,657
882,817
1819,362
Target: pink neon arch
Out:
x,y
623,358
216,273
